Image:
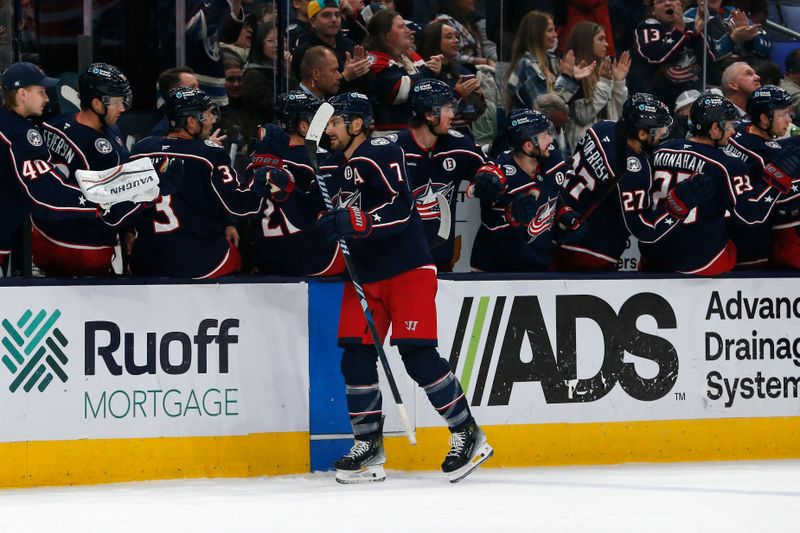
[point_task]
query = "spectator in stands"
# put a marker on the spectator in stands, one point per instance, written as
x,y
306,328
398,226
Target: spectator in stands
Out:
x,y
299,28
394,68
666,55
231,115
502,21
603,92
439,38
730,34
680,123
258,86
553,107
595,11
769,72
319,73
168,80
325,20
739,81
475,48
792,80
534,69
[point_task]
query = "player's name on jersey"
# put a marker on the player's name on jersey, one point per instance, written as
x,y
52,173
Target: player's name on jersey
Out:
x,y
58,146
595,159
682,160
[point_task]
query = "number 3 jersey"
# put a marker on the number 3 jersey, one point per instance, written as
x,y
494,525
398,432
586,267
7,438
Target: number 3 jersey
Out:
x,y
183,234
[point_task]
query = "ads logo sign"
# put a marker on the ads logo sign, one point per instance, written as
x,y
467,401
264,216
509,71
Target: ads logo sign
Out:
x,y
506,340
34,350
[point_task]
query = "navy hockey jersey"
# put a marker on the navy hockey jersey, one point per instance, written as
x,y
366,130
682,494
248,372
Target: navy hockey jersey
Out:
x,y
74,146
787,211
374,179
438,170
501,247
183,235
286,239
703,235
626,210
29,180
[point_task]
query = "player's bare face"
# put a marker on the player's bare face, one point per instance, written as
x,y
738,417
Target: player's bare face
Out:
x,y
337,132
781,120
115,108
34,99
446,114
545,140
209,118
728,129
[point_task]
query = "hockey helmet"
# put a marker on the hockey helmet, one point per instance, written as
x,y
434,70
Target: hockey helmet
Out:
x,y
767,99
103,81
352,105
293,107
185,102
708,109
643,111
429,95
526,125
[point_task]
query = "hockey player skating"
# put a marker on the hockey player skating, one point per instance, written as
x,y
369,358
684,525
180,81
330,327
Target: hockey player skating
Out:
x,y
375,214
521,200
87,140
437,160
700,182
612,176
287,240
184,234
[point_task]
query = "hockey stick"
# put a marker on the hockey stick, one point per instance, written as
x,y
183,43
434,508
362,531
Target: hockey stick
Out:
x,y
445,221
315,130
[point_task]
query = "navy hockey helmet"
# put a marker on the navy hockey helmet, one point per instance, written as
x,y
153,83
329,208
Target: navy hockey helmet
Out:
x,y
429,95
293,107
185,102
766,100
352,105
708,109
526,125
104,81
643,111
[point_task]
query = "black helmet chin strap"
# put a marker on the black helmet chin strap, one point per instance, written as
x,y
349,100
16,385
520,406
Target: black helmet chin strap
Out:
x,y
350,136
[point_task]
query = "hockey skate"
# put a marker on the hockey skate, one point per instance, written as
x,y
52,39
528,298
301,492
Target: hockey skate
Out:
x,y
364,462
468,450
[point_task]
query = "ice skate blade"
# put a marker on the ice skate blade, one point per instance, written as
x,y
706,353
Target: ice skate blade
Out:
x,y
477,460
364,475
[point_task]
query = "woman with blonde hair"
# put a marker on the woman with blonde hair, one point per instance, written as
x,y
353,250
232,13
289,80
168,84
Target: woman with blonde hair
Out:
x,y
534,68
603,92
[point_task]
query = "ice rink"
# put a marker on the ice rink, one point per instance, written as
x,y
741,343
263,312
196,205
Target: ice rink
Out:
x,y
731,496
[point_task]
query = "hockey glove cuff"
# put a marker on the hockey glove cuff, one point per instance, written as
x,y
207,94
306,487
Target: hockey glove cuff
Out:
x,y
570,224
691,193
489,183
346,222
777,178
522,210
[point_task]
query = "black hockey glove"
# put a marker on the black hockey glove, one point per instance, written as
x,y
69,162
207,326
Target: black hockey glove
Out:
x,y
489,183
784,167
342,223
522,210
688,194
570,224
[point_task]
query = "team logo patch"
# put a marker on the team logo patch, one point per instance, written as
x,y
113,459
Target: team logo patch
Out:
x,y
509,170
211,143
449,164
103,146
371,59
634,165
773,144
34,137
456,134
392,137
379,141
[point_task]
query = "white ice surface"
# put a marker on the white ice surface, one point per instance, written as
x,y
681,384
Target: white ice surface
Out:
x,y
707,497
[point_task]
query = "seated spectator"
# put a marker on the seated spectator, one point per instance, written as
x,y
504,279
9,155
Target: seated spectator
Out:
x,y
168,80
739,81
603,92
475,48
730,35
534,69
553,107
680,125
258,85
520,200
667,53
325,20
791,82
394,68
319,73
440,39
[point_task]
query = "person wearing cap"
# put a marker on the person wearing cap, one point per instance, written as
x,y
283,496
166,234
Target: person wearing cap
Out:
x,y
680,125
29,180
87,140
325,19
791,81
